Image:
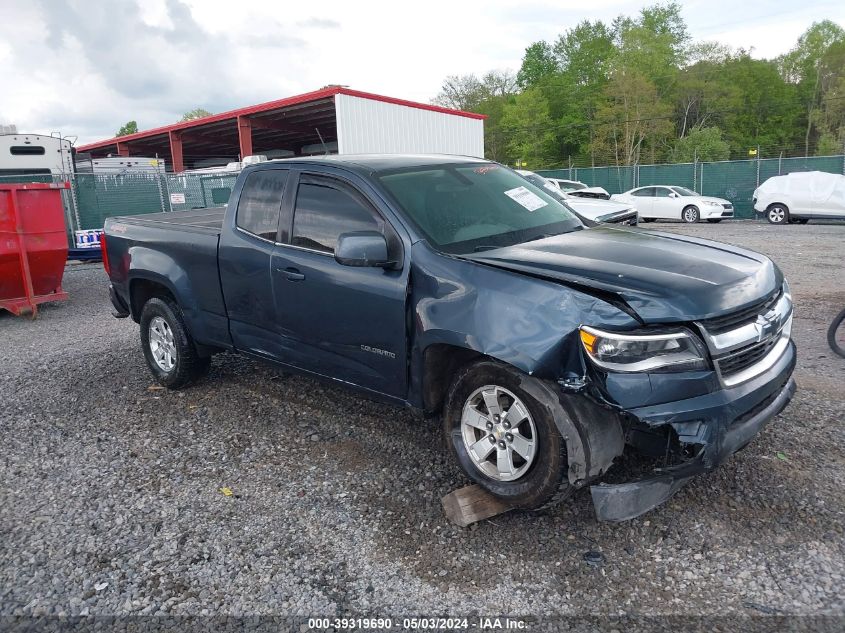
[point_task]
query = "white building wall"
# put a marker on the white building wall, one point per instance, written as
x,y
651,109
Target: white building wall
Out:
x,y
366,126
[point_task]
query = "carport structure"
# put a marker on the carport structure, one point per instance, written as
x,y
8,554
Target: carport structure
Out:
x,y
335,119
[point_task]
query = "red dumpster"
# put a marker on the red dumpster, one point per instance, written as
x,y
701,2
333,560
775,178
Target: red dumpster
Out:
x,y
33,245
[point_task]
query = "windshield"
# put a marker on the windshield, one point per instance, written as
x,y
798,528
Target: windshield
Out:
x,y
569,185
683,191
548,188
465,208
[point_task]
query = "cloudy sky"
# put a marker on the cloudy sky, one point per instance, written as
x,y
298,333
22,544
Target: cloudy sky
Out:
x,y
85,67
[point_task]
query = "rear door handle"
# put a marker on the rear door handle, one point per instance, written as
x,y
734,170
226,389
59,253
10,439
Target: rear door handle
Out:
x,y
293,274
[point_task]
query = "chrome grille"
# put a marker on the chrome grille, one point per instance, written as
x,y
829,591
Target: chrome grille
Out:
x,y
733,320
747,356
745,343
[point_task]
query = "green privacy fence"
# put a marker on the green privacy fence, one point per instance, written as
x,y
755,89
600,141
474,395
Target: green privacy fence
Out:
x,y
101,196
195,191
734,180
94,197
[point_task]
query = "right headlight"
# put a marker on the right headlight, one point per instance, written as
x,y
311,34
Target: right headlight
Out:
x,y
676,350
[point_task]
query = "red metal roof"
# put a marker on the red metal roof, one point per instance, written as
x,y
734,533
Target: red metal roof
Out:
x,y
270,106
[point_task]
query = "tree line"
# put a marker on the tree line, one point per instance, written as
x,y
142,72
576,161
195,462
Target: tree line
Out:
x,y
639,91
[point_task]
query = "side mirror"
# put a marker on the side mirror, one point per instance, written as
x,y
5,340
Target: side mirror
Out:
x,y
362,248
673,195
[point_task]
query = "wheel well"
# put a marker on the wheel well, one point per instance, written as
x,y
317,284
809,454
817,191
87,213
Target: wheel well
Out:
x,y
440,363
777,204
141,291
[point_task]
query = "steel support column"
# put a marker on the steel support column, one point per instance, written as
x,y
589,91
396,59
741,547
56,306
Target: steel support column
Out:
x,y
122,149
176,151
245,136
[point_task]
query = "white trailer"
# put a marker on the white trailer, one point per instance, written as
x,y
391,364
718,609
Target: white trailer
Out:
x,y
34,155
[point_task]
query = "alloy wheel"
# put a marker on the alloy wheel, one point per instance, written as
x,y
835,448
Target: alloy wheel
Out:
x,y
777,215
162,346
498,433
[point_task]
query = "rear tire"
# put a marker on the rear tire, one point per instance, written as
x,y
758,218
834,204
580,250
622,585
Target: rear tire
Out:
x,y
690,215
168,347
777,214
525,478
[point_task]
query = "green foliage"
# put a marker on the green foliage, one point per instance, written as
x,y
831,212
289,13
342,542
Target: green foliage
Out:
x,y
703,145
653,44
631,119
130,127
586,52
196,113
538,63
639,90
528,129
812,66
468,92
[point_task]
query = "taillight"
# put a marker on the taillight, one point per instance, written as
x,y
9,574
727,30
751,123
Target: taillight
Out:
x,y
105,254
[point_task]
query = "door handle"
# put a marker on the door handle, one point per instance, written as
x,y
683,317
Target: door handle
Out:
x,y
293,274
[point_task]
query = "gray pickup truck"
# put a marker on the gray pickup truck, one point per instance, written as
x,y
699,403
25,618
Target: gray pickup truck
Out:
x,y
452,285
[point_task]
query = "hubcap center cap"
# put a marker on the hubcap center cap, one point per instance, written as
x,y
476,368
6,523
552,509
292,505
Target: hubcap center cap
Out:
x,y
499,432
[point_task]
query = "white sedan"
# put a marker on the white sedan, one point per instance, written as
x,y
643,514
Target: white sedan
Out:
x,y
661,202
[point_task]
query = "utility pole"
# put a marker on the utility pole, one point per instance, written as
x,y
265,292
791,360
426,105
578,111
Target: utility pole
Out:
x,y
758,165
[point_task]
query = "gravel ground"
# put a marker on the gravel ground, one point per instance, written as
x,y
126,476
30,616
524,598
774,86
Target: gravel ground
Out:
x,y
111,502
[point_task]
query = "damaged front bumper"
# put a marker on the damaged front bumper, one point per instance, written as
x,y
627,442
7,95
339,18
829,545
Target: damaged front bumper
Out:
x,y
718,424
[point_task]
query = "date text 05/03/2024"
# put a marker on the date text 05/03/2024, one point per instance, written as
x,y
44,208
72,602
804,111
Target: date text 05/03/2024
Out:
x,y
422,623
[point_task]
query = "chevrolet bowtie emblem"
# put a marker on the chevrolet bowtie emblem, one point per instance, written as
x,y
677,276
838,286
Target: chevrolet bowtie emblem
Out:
x,y
765,326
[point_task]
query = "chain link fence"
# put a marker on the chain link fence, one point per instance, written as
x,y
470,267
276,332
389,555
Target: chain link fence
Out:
x,y
733,180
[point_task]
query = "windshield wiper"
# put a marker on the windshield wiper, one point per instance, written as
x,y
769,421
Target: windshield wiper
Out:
x,y
485,247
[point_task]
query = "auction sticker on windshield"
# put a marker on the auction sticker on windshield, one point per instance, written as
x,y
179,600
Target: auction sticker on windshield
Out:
x,y
526,198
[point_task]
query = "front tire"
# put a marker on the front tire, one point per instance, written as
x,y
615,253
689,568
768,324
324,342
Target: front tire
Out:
x,y
777,214
168,347
690,215
504,439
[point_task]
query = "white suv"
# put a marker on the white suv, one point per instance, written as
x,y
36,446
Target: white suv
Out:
x,y
800,196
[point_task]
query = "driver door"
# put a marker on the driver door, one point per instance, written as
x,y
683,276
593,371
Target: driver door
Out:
x,y
666,204
644,202
348,323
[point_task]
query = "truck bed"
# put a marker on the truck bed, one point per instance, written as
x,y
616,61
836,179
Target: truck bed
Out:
x,y
206,220
182,247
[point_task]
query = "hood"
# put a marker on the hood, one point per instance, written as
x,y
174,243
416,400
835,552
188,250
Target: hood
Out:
x,y
593,208
591,192
663,277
